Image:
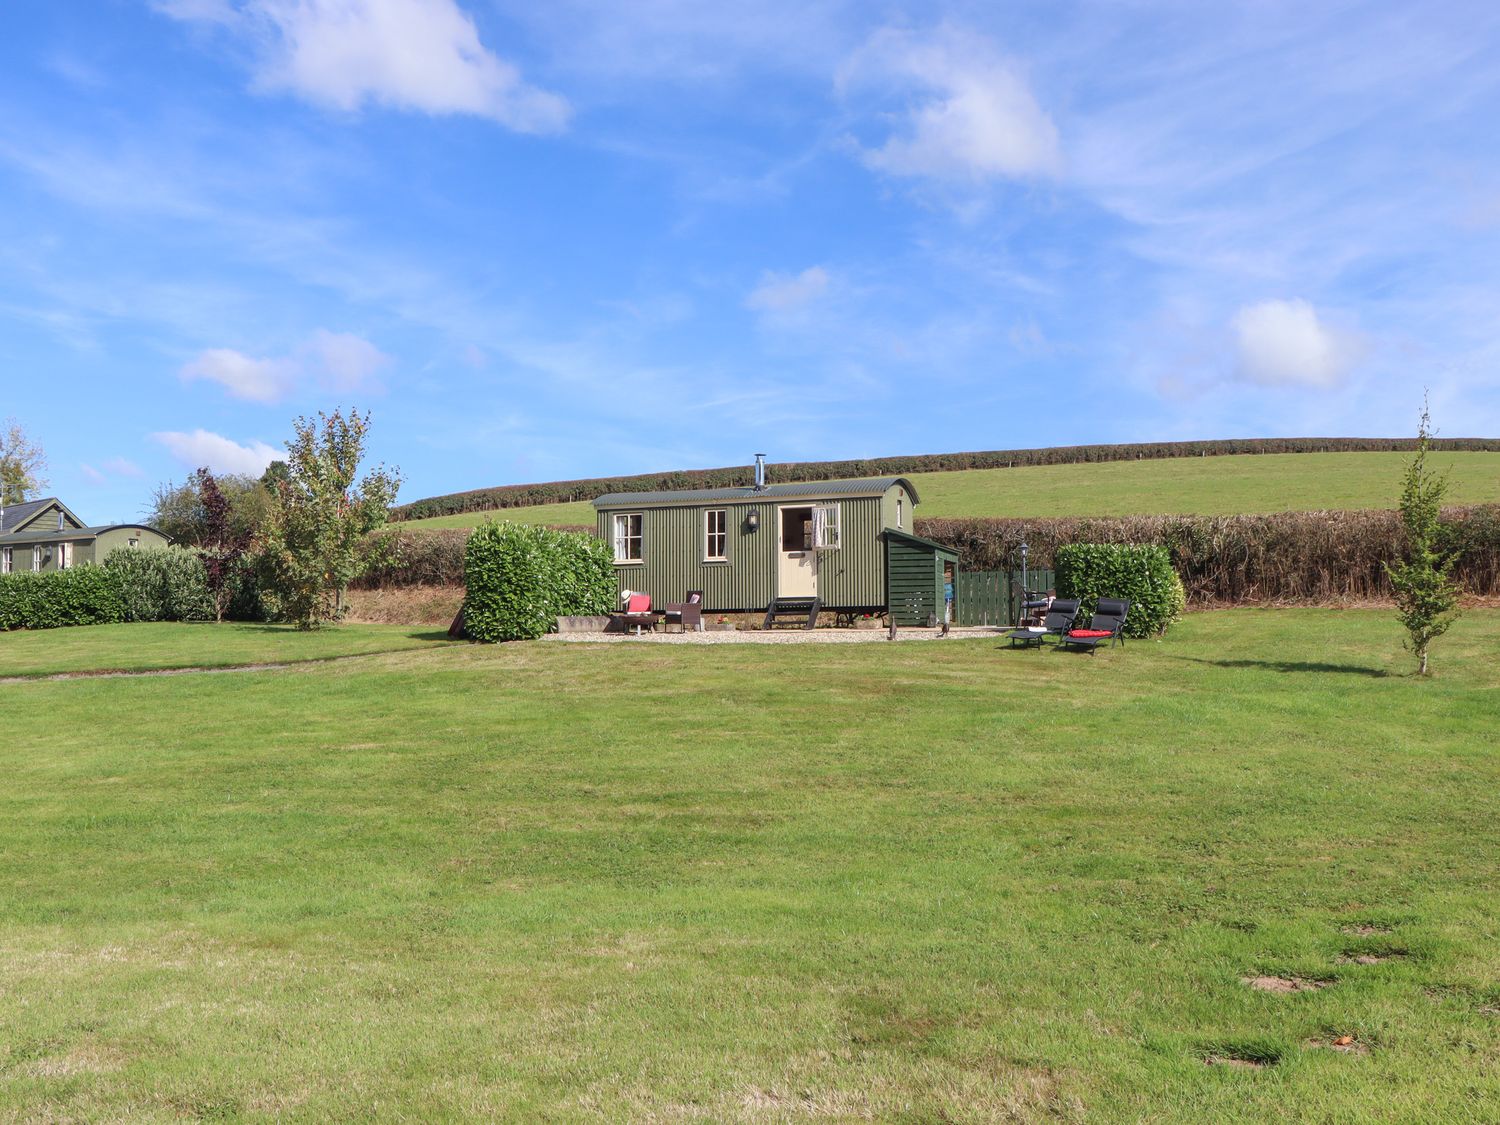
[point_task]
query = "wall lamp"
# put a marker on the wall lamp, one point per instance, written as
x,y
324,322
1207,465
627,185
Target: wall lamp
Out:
x,y
752,521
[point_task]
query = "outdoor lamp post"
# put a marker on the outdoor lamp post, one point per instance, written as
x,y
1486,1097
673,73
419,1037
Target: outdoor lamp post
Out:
x,y
1021,601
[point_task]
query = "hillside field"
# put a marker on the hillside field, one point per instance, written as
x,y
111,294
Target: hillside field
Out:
x,y
1221,485
925,881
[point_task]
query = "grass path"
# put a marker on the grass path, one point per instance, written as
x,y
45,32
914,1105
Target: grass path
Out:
x,y
1207,485
907,882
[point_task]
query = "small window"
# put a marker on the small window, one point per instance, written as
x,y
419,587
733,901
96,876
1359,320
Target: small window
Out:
x,y
36,558
132,542
64,556
6,559
716,535
826,536
628,538
900,514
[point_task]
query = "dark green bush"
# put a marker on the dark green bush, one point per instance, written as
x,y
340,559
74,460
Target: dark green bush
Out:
x,y
521,579
1142,574
82,595
161,584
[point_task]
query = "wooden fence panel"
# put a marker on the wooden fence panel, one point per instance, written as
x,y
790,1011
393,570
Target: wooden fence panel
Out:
x,y
993,597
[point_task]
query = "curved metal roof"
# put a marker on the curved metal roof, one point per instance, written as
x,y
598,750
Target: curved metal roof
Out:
x,y
799,490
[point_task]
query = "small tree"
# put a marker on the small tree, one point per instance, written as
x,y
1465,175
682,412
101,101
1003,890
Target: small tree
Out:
x,y
224,542
320,515
22,463
1426,597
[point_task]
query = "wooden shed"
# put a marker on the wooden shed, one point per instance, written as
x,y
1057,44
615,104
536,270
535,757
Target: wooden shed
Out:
x,y
840,546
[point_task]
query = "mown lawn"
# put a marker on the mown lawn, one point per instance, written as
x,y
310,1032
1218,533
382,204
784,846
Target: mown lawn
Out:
x,y
915,882
1276,482
157,646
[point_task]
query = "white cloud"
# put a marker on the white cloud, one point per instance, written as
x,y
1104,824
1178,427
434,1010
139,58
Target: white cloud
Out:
x,y
780,292
122,467
347,361
422,55
255,380
91,474
219,453
1283,343
334,361
966,114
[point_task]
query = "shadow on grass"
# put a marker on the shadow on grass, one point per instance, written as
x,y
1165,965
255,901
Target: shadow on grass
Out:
x,y
433,633
1293,666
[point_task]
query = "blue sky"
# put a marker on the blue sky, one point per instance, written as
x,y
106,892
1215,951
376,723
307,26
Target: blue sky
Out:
x,y
584,237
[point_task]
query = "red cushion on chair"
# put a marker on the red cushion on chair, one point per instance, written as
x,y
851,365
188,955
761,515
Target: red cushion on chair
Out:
x,y
1091,632
638,603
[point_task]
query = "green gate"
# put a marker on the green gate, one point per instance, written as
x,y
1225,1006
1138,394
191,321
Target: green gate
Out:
x,y
993,597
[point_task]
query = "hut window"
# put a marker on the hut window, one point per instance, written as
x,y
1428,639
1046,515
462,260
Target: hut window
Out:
x,y
64,556
59,519
716,535
827,535
36,558
900,513
6,559
628,538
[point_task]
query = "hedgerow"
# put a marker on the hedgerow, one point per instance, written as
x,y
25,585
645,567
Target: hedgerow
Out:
x,y
161,584
1141,574
1285,557
520,579
568,491
82,595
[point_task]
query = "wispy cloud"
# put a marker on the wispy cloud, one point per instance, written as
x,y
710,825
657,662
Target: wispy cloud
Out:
x,y
781,292
966,113
422,55
221,454
334,361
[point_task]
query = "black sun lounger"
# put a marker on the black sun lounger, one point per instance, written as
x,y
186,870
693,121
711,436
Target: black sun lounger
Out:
x,y
1060,617
1104,628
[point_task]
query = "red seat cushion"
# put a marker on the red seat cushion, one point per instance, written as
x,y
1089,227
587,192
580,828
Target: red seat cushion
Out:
x,y
1091,632
638,603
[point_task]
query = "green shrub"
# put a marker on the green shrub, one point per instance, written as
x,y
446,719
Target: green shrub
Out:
x,y
1142,574
161,584
82,595
520,579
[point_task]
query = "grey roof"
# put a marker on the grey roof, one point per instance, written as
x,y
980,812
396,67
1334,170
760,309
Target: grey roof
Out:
x,y
71,535
17,514
800,490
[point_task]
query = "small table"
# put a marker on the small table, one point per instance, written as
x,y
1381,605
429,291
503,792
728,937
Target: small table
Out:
x,y
639,620
1028,637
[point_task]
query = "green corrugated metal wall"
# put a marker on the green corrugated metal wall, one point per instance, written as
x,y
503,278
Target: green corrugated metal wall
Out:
x,y
852,577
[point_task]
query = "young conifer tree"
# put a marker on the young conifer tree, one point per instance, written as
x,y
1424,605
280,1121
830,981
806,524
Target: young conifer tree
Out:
x,y
1426,597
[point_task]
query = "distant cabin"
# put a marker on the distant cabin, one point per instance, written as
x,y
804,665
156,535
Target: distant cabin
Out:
x,y
845,545
44,535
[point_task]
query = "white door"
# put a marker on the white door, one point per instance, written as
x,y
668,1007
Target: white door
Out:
x,y
796,561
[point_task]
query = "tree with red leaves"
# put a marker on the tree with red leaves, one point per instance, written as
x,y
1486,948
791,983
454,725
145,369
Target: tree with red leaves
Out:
x,y
223,546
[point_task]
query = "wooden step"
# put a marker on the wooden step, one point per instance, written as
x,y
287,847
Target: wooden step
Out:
x,y
798,611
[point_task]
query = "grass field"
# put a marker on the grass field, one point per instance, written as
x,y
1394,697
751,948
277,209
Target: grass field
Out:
x,y
160,646
919,882
1205,485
